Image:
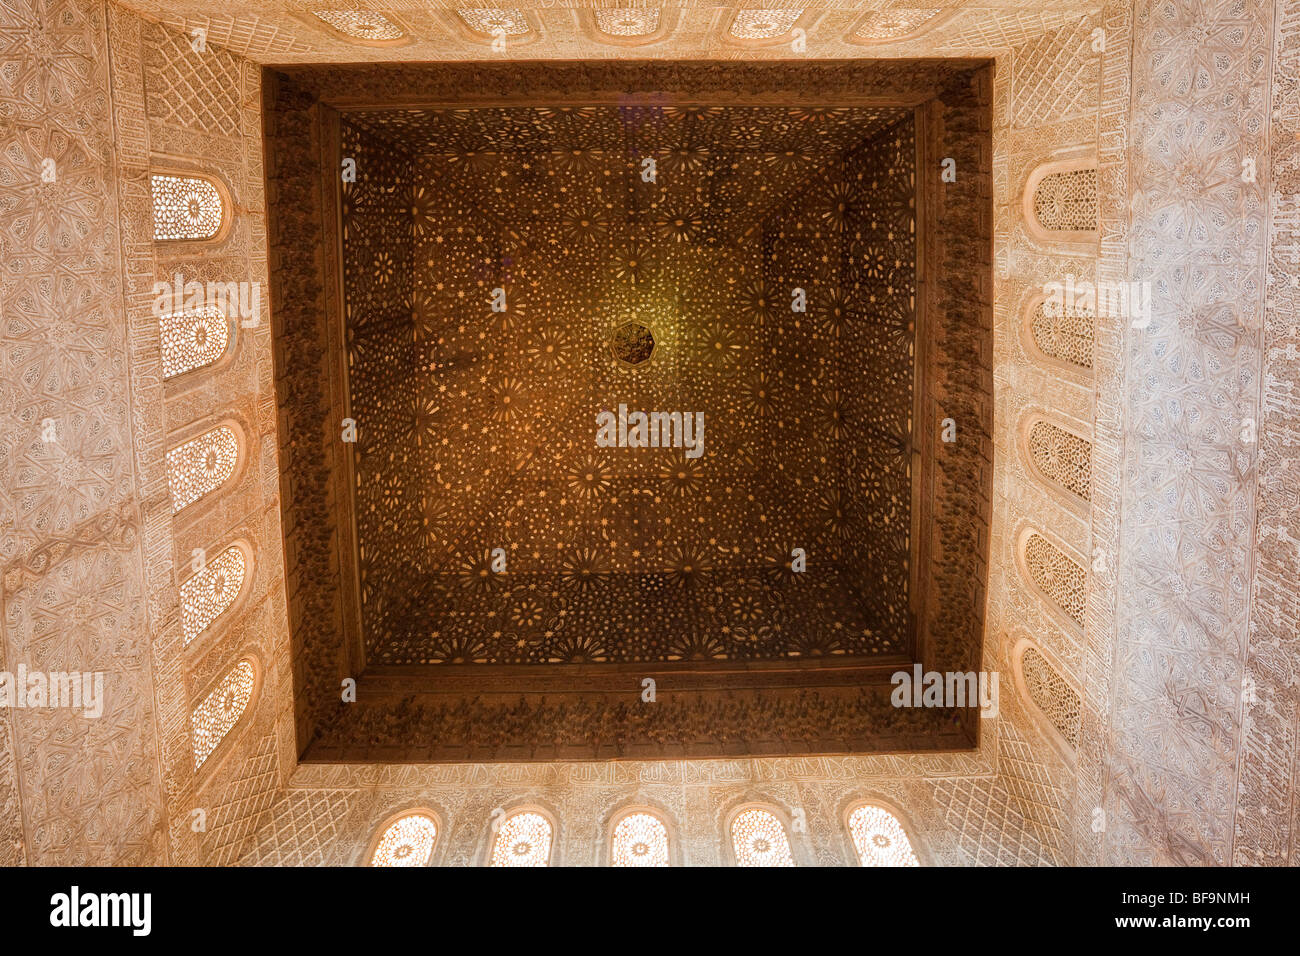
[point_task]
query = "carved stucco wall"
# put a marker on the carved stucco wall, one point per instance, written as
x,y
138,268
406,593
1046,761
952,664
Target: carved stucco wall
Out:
x,y
1197,774
92,554
1268,772
1022,800
283,31
1174,625
79,538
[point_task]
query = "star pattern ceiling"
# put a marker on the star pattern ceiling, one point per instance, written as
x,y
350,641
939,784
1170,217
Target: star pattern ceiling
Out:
x,y
494,259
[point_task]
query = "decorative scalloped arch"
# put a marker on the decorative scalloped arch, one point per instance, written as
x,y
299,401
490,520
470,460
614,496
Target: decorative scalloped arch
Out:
x,y
1050,696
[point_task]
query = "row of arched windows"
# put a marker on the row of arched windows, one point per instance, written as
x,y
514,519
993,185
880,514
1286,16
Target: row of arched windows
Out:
x,y
640,838
190,208
1060,210
621,23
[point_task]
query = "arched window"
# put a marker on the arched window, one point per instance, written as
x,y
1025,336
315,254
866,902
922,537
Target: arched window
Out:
x,y
640,839
759,840
524,839
1061,457
198,466
1059,205
407,841
627,21
192,339
488,21
880,839
1062,580
218,713
186,207
1064,333
361,24
210,592
890,25
1058,703
1066,201
764,24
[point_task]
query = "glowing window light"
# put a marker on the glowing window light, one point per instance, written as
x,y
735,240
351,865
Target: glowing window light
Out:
x,y
208,594
760,840
523,840
408,841
640,839
192,339
201,465
185,207
880,839
217,715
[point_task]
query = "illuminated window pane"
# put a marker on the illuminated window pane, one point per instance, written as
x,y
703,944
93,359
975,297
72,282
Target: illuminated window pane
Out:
x,y
627,21
764,24
489,21
192,339
1064,581
1064,333
185,207
640,839
221,710
207,594
360,24
407,842
523,840
760,840
1062,457
1053,695
198,466
1067,201
880,839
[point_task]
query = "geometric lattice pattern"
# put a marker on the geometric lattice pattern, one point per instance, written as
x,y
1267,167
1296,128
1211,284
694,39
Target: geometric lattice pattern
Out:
x,y
185,207
880,839
407,842
218,713
196,90
1062,457
210,592
1067,201
235,811
192,339
1056,76
627,21
640,839
1052,694
894,23
523,840
300,828
360,24
492,22
201,465
763,24
989,823
1059,578
759,840
248,35
1065,332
